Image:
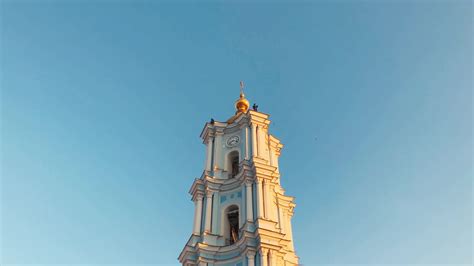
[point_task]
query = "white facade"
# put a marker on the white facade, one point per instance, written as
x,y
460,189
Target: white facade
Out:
x,y
242,216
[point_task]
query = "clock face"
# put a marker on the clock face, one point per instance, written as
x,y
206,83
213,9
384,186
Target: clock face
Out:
x,y
232,141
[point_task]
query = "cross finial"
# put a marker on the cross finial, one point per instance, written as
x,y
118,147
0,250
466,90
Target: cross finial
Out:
x,y
242,104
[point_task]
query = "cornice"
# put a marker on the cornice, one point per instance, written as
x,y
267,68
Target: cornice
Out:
x,y
188,248
197,189
275,144
250,242
206,131
238,121
246,173
286,202
264,170
271,239
250,171
259,118
285,198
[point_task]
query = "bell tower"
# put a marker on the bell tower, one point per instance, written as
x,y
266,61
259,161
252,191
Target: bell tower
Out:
x,y
242,216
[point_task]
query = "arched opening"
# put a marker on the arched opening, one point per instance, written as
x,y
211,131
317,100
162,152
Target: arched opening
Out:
x,y
233,164
231,228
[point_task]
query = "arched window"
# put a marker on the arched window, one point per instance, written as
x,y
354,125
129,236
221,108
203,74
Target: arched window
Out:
x,y
231,228
234,163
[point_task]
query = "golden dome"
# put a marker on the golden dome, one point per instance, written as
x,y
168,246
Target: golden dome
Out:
x,y
242,104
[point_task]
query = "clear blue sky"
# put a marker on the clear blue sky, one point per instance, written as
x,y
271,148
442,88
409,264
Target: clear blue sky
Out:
x,y
102,105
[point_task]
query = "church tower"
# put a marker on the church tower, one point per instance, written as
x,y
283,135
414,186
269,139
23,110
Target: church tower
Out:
x,y
242,216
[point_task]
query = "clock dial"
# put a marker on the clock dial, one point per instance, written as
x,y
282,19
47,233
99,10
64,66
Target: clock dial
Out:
x,y
232,141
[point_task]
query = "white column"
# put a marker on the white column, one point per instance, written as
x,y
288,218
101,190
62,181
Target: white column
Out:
x,y
274,203
267,201
249,202
247,143
272,259
261,142
259,199
263,257
254,141
285,223
251,258
270,156
217,151
215,209
209,155
280,219
197,215
290,231
207,225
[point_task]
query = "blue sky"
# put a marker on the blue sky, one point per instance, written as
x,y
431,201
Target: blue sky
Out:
x,y
102,103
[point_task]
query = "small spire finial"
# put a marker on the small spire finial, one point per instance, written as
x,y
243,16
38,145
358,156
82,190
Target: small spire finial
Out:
x,y
241,88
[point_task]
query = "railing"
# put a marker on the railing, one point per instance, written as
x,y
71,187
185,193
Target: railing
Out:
x,y
229,242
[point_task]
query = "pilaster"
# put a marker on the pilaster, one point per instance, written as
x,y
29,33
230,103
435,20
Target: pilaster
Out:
x,y
207,225
251,258
209,149
260,210
264,257
197,215
254,140
249,201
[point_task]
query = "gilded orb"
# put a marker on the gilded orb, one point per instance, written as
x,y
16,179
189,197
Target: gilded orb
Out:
x,y
242,104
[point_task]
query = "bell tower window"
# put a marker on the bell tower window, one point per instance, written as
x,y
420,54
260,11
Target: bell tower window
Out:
x,y
234,163
232,225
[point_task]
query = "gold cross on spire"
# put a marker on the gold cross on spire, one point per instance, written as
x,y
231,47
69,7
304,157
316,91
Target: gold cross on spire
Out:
x,y
241,87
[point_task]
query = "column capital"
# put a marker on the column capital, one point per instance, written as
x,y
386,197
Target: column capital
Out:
x,y
264,251
248,182
251,257
199,197
209,193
